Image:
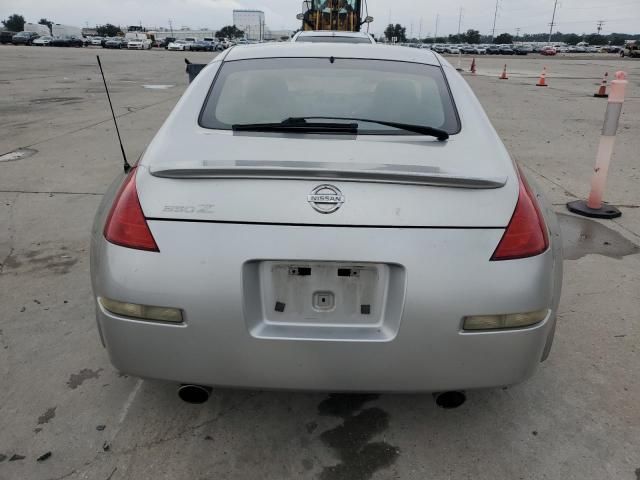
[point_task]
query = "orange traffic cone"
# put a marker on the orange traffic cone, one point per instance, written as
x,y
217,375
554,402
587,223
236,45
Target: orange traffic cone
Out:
x,y
504,73
602,91
542,81
473,66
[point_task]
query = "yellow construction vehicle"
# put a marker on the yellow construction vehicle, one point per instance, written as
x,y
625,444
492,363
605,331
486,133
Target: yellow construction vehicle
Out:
x,y
337,15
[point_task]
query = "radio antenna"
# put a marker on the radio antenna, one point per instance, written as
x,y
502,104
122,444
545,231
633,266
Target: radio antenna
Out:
x,y
126,164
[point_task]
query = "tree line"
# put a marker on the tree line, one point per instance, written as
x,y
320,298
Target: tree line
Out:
x,y
15,23
472,36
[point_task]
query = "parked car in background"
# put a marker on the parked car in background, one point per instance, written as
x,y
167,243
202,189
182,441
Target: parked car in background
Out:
x,y
43,41
137,41
548,51
506,50
164,43
24,38
493,50
6,36
451,49
202,46
115,42
96,41
189,41
330,37
178,46
67,41
523,50
614,49
468,49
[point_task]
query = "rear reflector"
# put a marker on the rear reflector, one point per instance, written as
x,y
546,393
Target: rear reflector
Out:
x,y
514,320
126,225
143,312
526,235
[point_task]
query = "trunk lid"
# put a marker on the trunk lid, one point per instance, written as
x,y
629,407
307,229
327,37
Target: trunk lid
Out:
x,y
401,181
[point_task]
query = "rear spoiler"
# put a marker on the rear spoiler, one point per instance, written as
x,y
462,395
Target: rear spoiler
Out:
x,y
329,171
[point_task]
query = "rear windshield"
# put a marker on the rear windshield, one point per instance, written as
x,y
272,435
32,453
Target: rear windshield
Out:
x,y
274,89
329,39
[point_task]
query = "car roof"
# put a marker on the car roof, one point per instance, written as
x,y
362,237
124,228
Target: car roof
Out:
x,y
338,50
332,33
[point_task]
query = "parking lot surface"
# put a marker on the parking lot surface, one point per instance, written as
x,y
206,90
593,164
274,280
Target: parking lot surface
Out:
x,y
66,413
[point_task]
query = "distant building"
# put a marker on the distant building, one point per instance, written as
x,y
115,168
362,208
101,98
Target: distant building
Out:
x,y
89,32
251,22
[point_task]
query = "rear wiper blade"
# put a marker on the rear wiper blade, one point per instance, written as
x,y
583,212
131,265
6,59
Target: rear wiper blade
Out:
x,y
297,125
441,135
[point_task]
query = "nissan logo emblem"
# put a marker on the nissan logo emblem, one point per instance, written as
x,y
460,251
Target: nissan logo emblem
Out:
x,y
326,199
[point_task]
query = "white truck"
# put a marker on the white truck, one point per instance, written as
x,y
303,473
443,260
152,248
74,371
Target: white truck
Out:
x,y
58,30
41,30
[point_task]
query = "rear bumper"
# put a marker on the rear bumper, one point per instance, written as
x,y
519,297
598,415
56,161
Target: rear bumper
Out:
x,y
201,271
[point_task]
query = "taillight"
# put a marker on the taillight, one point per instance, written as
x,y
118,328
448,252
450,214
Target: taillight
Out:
x,y
126,225
526,234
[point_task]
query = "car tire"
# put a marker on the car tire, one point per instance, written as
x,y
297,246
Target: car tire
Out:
x,y
621,54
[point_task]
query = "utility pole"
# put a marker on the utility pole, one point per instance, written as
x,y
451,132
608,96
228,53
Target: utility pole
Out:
x,y
553,20
171,27
495,16
435,36
420,31
517,33
459,21
600,25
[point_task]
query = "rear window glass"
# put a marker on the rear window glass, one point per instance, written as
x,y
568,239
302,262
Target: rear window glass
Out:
x,y
328,39
272,90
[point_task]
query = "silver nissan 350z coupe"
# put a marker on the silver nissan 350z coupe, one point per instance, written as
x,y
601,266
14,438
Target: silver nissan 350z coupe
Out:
x,y
327,217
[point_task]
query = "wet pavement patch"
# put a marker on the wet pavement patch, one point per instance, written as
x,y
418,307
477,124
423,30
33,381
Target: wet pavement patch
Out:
x,y
47,416
77,379
17,154
359,457
15,457
2,457
57,263
582,236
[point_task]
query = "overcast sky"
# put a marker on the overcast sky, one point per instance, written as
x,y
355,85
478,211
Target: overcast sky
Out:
x,y
419,16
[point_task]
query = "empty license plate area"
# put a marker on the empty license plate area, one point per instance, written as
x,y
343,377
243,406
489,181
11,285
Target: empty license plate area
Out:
x,y
323,300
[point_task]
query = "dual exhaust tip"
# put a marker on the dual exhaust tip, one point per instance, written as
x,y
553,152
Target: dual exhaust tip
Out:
x,y
199,394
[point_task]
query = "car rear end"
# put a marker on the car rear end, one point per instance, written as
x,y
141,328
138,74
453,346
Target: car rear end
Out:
x,y
377,262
